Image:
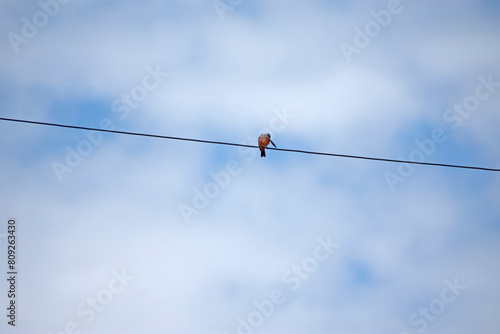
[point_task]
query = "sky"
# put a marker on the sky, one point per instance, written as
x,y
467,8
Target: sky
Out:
x,y
129,234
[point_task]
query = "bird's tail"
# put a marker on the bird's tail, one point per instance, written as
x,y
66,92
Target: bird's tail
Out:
x,y
262,153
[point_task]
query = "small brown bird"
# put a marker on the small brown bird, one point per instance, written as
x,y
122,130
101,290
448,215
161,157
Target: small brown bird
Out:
x,y
264,140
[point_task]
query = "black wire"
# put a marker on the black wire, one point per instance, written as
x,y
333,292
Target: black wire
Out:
x,y
251,146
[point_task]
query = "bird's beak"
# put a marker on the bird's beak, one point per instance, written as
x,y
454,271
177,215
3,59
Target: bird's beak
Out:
x,y
272,143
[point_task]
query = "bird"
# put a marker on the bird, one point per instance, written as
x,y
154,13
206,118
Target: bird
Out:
x,y
264,140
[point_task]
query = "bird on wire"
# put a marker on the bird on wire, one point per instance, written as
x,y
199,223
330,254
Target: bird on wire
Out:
x,y
264,140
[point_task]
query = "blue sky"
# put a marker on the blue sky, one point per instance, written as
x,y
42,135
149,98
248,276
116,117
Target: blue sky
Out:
x,y
125,234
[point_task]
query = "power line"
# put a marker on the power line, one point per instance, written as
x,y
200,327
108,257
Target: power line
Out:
x,y
243,145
